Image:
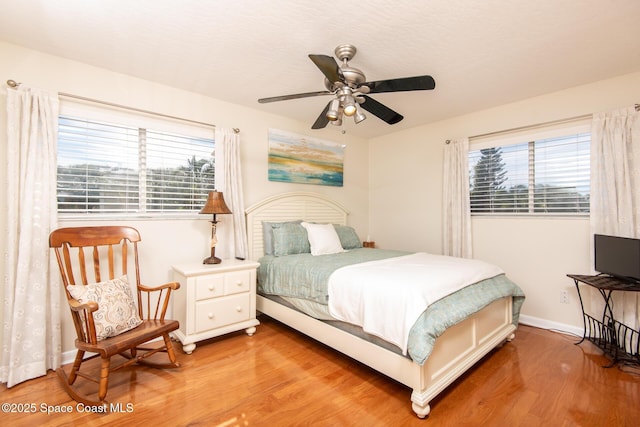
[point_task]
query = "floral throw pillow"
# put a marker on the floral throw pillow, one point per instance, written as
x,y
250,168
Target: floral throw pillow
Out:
x,y
116,312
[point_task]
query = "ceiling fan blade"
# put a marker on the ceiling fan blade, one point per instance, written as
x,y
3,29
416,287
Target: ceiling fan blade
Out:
x,y
322,119
380,110
401,85
328,66
294,96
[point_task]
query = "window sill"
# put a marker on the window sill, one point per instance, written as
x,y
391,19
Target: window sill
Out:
x,y
531,216
131,217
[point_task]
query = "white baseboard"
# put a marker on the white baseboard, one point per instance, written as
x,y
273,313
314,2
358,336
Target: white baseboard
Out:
x,y
68,357
548,324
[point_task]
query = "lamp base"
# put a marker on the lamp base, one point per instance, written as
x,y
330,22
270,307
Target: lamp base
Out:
x,y
212,260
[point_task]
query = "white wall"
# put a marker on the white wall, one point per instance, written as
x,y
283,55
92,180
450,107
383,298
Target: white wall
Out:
x,y
395,198
537,253
167,242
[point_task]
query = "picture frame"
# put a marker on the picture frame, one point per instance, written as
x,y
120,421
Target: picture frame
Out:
x,y
295,158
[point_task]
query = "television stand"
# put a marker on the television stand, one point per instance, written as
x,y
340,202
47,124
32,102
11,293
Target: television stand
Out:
x,y
614,338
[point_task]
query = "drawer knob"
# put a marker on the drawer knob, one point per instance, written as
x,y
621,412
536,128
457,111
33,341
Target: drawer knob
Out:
x,y
239,309
212,288
210,316
239,284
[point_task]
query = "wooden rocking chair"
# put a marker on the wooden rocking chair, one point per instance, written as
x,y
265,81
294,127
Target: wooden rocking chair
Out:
x,y
107,251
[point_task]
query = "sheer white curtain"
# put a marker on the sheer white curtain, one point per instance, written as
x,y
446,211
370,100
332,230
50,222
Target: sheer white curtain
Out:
x,y
31,340
229,182
455,199
615,191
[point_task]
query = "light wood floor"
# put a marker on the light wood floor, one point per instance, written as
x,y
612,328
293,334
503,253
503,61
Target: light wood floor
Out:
x,y
278,377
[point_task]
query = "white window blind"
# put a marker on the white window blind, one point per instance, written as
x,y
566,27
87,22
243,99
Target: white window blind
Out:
x,y
114,168
547,176
180,172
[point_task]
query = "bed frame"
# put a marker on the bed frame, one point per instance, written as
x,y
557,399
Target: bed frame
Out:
x,y
455,351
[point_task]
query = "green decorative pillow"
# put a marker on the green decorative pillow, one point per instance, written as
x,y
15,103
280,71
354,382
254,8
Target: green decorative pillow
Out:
x,y
116,312
289,239
267,234
348,237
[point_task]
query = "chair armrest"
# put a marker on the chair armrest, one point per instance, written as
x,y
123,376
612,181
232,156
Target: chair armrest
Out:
x,y
152,308
82,314
171,285
75,305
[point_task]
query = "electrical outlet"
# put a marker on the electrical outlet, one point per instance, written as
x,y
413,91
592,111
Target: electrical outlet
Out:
x,y
564,297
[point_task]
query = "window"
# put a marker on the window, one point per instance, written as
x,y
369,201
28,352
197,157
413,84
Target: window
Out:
x,y
108,168
536,176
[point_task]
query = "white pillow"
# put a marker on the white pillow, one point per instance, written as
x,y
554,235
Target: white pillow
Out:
x,y
116,312
323,239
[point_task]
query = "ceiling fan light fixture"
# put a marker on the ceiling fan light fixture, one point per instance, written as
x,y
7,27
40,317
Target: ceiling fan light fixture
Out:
x,y
349,106
359,116
333,113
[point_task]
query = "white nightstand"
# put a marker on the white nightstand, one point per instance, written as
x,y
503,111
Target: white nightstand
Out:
x,y
214,299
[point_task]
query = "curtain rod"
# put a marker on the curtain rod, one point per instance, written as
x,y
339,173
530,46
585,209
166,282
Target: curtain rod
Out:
x,y
13,84
527,127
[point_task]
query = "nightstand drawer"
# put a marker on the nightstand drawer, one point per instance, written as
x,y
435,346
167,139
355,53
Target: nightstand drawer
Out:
x,y
236,282
222,311
209,287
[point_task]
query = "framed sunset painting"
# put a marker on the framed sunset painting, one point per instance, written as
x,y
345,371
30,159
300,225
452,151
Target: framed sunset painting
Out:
x,y
305,160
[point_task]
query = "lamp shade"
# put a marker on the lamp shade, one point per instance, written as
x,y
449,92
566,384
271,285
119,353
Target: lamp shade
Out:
x,y
215,204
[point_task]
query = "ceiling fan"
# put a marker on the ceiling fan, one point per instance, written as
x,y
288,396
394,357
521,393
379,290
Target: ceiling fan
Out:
x,y
350,89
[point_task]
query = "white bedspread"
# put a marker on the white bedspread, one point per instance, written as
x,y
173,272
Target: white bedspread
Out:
x,y
386,297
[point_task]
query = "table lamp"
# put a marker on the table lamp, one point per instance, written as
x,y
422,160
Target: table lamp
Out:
x,y
215,205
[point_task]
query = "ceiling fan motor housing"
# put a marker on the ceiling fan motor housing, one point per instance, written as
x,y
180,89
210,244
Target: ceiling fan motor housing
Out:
x,y
353,76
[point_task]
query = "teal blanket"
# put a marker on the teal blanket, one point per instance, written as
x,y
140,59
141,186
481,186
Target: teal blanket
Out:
x,y
306,276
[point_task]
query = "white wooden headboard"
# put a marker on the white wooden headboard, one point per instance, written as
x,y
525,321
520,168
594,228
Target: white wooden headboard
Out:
x,y
312,207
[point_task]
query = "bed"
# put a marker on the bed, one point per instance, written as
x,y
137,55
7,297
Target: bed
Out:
x,y
455,350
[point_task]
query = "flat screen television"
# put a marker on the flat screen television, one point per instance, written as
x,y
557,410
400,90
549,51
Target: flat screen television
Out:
x,y
617,256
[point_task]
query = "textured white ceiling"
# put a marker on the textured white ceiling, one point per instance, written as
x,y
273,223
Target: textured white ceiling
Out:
x,y
481,53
